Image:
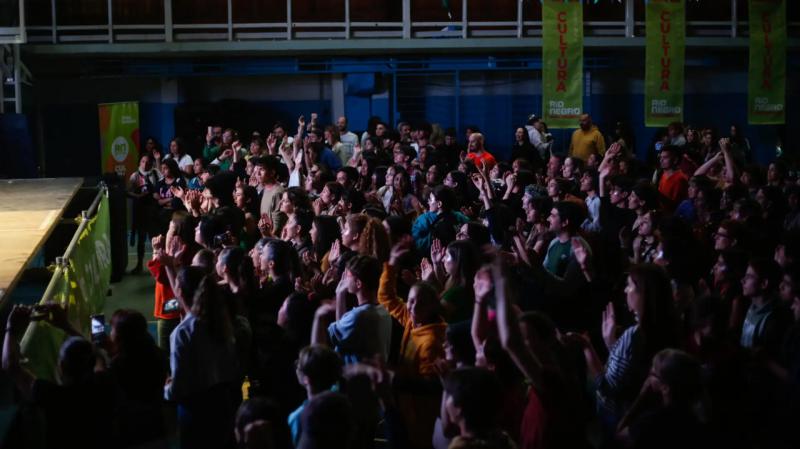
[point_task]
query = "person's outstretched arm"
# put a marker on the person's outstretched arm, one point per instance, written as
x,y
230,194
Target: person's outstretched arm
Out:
x,y
509,332
17,322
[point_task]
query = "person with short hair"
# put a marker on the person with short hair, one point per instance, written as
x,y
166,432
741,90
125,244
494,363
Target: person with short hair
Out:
x,y
471,404
587,139
673,185
271,191
328,422
318,369
442,220
363,332
766,320
476,151
347,137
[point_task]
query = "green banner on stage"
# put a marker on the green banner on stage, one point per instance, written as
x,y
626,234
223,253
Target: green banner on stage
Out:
x,y
119,137
664,62
766,99
81,289
562,62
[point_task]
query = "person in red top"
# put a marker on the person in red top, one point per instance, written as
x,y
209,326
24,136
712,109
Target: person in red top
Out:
x,y
478,152
673,185
169,253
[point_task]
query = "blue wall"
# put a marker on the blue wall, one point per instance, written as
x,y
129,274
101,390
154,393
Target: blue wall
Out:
x,y
495,100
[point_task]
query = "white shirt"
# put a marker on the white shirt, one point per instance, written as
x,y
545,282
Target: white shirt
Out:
x,y
349,139
537,140
183,162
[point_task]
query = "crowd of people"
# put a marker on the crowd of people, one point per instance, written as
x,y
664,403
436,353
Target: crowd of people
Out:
x,y
319,289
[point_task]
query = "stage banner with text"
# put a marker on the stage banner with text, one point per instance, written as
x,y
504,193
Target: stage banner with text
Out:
x,y
119,137
562,62
766,99
664,62
80,289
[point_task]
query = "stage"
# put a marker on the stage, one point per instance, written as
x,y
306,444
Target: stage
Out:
x,y
29,211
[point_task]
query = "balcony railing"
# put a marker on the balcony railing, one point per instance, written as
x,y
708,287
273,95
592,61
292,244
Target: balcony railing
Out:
x,y
167,21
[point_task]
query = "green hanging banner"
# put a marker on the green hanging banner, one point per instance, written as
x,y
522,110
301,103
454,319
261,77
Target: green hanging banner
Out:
x,y
766,99
664,62
562,66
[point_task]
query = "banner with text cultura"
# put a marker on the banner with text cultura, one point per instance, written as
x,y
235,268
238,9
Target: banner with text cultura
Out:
x,y
766,99
664,62
562,62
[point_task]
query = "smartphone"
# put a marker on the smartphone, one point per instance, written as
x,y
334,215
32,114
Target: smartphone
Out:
x,y
98,325
170,306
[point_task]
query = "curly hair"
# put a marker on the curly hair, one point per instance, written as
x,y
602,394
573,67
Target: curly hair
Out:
x,y
373,239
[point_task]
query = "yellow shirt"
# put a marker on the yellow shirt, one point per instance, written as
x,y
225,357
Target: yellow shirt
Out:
x,y
419,349
585,143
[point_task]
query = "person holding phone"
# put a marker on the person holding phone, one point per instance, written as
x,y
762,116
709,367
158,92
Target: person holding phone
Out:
x,y
76,408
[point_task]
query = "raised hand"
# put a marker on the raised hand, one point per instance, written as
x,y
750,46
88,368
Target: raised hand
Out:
x,y
227,154
510,180
609,325
265,225
426,269
19,318
725,144
344,284
209,135
482,284
335,252
318,205
581,252
399,250
437,251
177,191
330,276
157,242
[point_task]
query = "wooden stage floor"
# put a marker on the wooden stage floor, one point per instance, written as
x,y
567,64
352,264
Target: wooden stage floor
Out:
x,y
29,211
